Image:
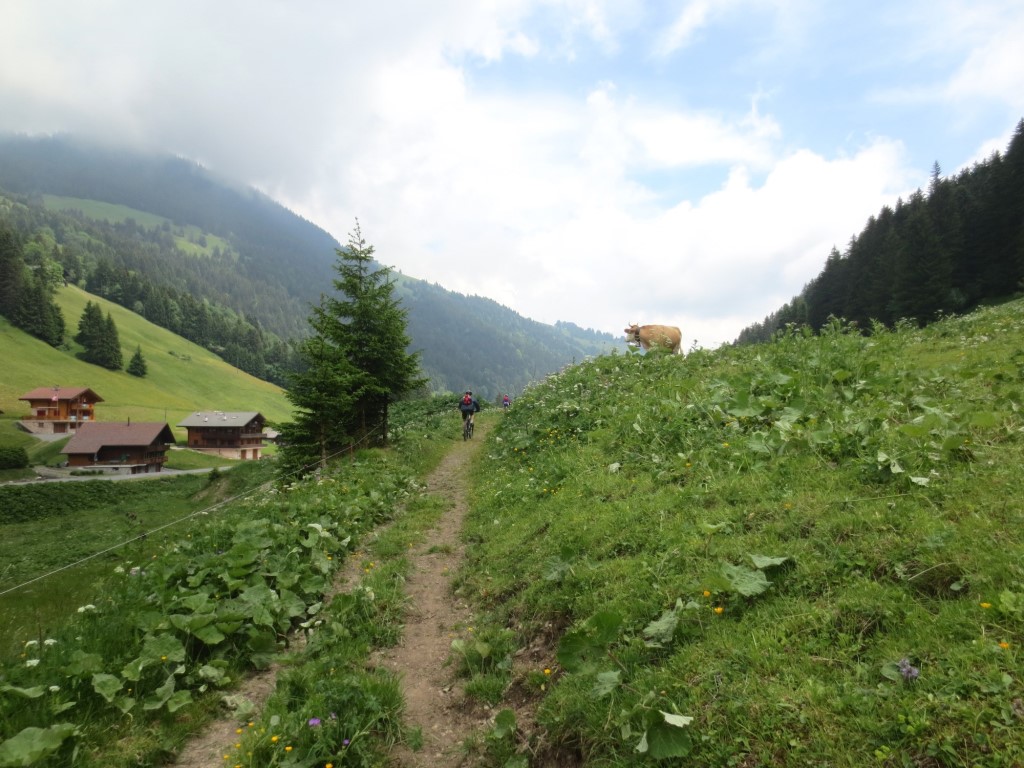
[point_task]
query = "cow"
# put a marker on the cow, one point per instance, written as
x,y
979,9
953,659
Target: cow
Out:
x,y
665,336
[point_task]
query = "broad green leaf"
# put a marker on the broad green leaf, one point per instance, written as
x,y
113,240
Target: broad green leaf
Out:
x,y
26,693
106,686
607,682
745,581
504,724
679,721
660,631
82,664
764,561
179,700
210,635
161,694
919,480
31,745
162,648
666,739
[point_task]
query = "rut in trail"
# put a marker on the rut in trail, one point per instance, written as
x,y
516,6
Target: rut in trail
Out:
x,y
434,700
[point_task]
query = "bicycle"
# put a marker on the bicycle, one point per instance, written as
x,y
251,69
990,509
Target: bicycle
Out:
x,y
467,427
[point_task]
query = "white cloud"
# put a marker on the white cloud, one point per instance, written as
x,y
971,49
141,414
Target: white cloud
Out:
x,y
531,150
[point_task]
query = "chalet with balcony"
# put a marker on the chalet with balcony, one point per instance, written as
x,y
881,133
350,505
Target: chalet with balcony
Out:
x,y
231,434
59,410
116,446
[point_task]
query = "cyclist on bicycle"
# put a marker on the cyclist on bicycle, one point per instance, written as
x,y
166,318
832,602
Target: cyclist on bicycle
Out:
x,y
468,405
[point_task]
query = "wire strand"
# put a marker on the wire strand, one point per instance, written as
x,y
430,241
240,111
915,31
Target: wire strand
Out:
x,y
304,469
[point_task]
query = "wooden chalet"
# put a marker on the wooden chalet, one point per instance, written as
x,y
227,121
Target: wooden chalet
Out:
x,y
231,434
59,410
114,446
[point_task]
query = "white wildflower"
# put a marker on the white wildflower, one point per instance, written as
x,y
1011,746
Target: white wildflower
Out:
x,y
31,662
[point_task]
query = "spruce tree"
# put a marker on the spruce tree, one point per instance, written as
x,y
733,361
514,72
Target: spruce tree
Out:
x,y
137,365
354,365
90,329
98,335
321,393
376,341
110,350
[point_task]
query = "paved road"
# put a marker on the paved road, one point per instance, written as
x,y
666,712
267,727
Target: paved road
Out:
x,y
51,475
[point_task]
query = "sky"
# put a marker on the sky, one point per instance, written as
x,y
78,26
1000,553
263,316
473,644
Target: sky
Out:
x,y
601,162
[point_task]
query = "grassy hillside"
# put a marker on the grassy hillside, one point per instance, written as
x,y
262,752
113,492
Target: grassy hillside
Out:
x,y
182,377
188,238
809,552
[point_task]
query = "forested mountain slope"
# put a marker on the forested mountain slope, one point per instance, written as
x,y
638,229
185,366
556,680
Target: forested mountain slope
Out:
x,y
164,237
949,249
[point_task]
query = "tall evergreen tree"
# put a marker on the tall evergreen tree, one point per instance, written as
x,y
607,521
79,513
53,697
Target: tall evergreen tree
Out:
x,y
321,393
90,328
98,335
355,363
37,313
376,341
110,350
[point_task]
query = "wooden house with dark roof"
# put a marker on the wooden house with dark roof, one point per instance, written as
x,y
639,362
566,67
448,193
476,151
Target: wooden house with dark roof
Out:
x,y
59,410
138,448
231,434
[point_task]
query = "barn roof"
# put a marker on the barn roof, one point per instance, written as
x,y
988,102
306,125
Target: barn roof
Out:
x,y
219,418
91,436
62,393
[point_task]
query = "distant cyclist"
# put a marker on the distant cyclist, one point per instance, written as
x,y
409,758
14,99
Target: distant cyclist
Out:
x,y
469,406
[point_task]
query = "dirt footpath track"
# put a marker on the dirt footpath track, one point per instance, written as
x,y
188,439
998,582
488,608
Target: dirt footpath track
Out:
x,y
434,700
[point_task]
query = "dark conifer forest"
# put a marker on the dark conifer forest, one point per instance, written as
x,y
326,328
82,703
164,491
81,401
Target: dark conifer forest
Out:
x,y
946,250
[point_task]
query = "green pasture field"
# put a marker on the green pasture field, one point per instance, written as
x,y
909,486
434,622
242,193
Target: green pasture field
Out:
x,y
182,377
187,237
803,553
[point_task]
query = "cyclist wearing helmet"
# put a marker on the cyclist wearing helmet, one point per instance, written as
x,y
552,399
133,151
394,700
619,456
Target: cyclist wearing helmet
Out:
x,y
468,405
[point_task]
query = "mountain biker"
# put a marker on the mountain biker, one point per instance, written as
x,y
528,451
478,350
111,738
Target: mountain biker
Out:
x,y
468,405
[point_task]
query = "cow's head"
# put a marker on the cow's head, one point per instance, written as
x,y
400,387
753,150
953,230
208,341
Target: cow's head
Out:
x,y
632,333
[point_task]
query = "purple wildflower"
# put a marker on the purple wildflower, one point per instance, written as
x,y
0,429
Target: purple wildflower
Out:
x,y
344,742
313,722
909,672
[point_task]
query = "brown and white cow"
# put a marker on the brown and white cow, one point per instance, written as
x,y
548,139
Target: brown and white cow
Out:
x,y
666,336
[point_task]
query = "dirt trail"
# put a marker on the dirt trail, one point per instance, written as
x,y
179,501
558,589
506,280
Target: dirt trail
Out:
x,y
434,700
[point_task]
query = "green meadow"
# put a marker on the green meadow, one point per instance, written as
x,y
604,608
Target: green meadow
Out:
x,y
190,239
808,552
182,377
803,553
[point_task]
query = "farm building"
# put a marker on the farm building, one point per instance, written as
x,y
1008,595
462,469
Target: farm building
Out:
x,y
59,410
140,447
233,435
